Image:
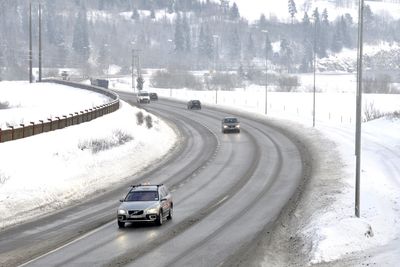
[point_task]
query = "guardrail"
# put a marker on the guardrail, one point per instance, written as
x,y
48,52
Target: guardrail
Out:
x,y
63,121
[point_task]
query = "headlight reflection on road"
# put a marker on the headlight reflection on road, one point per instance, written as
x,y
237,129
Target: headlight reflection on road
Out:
x,y
123,240
152,234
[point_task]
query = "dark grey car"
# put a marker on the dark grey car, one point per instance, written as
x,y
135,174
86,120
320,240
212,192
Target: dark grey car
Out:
x,y
230,124
145,203
194,104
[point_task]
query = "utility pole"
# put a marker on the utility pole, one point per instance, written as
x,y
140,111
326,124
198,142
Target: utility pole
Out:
x,y
133,69
138,64
358,107
30,42
40,43
216,56
315,61
266,71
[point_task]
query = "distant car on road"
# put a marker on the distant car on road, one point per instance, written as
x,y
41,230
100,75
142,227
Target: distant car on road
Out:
x,y
153,96
194,104
143,97
145,203
230,124
65,75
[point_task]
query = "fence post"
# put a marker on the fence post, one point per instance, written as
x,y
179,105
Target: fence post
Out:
x,y
42,122
12,132
58,122
51,124
0,135
33,127
23,130
65,119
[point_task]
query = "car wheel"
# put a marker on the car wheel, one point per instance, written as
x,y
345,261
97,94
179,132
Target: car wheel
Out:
x,y
170,214
160,218
121,224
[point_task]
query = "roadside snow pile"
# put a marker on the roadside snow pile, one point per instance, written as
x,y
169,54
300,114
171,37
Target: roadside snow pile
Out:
x,y
46,172
30,102
334,230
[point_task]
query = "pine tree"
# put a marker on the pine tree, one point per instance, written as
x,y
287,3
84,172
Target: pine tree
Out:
x,y
80,42
234,12
152,13
250,47
205,45
186,34
262,22
317,32
368,18
337,41
323,34
170,6
345,33
307,58
286,55
292,9
135,14
235,46
179,39
268,46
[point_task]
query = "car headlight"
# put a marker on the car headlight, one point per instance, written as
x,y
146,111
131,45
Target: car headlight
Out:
x,y
225,126
152,210
237,126
122,212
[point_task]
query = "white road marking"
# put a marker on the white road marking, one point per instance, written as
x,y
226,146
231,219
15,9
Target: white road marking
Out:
x,y
67,244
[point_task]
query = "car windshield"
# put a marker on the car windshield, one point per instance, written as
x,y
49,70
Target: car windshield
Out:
x,y
144,94
230,120
142,196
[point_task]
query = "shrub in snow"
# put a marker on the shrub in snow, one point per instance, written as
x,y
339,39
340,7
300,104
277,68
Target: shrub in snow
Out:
x,y
3,178
225,81
4,105
371,112
149,121
139,118
175,79
118,138
377,85
287,83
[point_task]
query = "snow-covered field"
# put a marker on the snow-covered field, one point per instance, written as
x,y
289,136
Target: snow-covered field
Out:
x,y
43,173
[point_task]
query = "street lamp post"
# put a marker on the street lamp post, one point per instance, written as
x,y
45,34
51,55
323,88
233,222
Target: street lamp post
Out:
x,y
133,66
170,42
266,71
30,43
314,67
108,62
358,107
216,57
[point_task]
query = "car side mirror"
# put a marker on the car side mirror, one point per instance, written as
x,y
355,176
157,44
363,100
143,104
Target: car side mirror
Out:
x,y
121,200
163,199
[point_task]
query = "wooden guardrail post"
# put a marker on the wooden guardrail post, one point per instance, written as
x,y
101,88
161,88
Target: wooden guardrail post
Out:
x,y
42,122
51,124
23,130
33,127
12,132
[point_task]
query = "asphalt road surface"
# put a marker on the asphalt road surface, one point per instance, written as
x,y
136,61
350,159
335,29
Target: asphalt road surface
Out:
x,y
227,190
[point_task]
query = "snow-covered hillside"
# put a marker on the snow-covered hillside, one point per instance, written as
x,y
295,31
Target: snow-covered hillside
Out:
x,y
252,9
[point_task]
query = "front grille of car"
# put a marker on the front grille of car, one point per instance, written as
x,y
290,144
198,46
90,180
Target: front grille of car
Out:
x,y
135,212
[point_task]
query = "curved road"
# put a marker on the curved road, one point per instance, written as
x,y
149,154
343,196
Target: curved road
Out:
x,y
227,189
